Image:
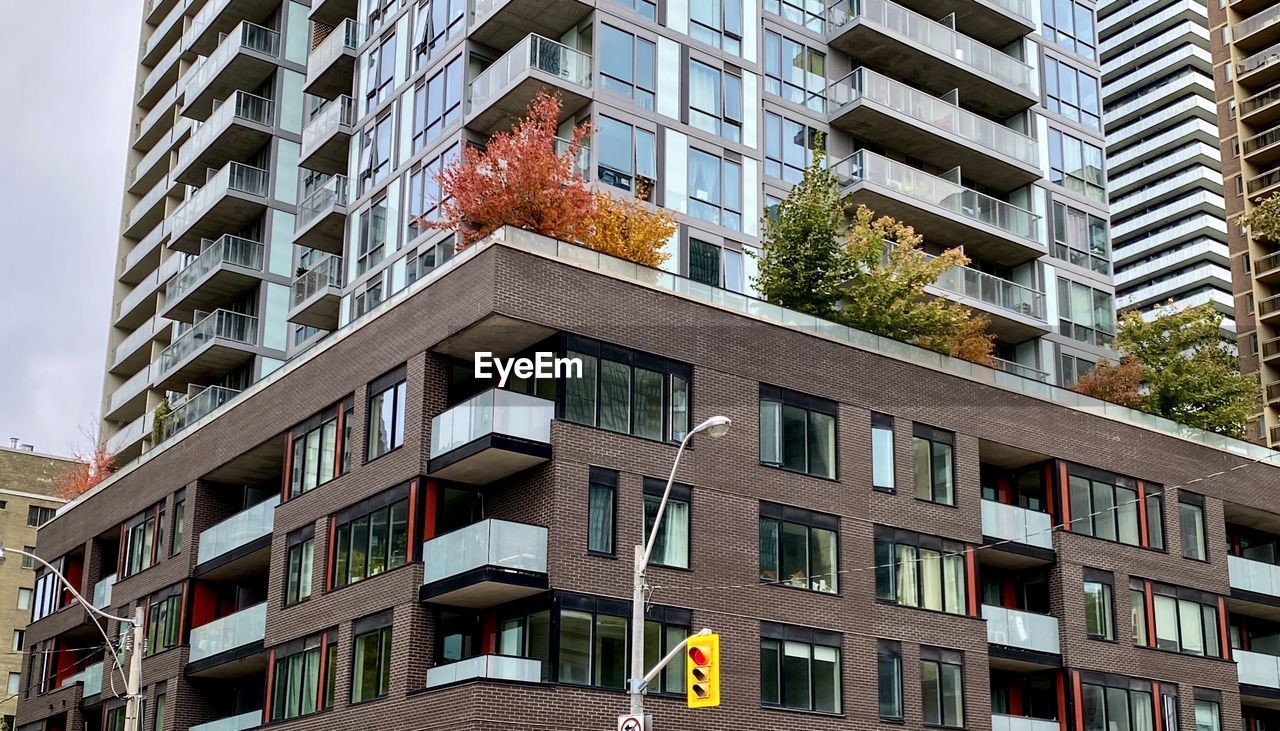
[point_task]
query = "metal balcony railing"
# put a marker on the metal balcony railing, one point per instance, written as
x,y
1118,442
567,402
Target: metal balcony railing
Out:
x,y
327,273
338,113
342,39
229,249
333,192
533,53
246,36
217,325
242,105
234,176
196,407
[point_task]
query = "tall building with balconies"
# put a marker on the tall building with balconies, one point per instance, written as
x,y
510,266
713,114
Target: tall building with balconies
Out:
x,y
1164,168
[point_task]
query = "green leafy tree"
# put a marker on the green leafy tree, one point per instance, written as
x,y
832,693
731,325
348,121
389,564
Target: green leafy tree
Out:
x,y
1264,220
1188,373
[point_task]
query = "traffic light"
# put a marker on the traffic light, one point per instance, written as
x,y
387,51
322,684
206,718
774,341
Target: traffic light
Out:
x,y
703,671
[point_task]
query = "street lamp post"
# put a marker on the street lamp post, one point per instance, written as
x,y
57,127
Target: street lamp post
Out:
x,y
716,426
135,660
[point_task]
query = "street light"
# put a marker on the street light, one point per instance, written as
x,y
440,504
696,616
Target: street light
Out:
x,y
133,682
716,426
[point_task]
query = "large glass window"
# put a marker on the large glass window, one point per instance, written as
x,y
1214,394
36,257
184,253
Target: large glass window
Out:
x,y
627,65
788,147
374,162
715,265
164,619
299,565
942,687
800,668
386,414
1070,25
1186,620
799,547
794,71
1081,238
380,67
671,544
437,103
1077,165
1099,606
717,23
371,236
1072,93
371,537
38,515
296,677
715,189
1114,703
628,391
594,641
627,157
314,460
808,13
1105,506
371,670
602,508
920,571
425,197
1191,521
889,672
178,532
715,101
1208,715
436,22
797,432
140,541
646,8
935,469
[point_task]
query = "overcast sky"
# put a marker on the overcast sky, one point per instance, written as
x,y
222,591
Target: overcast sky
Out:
x,y
66,81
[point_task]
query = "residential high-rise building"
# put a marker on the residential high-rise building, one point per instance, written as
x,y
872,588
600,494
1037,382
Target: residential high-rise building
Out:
x,y
1164,170
1245,47
28,499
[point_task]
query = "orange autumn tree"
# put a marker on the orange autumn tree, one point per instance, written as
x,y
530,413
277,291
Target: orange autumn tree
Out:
x,y
1119,383
86,471
628,229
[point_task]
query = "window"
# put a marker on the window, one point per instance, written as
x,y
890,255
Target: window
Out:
x,y
1191,520
627,66
27,561
626,156
297,689
1208,715
809,13
889,670
371,537
157,722
375,154
593,641
602,510
1186,620
1073,369
882,466
715,101
715,266
715,190
797,432
425,196
1105,506
1099,606
934,464
1070,25
437,22
314,460
371,234
380,68
371,677
299,566
437,103
1077,165
1071,93
1112,702
164,619
664,628
788,147
646,8
798,548
49,595
800,668
15,680
178,532
627,391
18,637
1081,238
671,544
915,570
386,414
794,72
422,262
140,542
942,687
38,516
367,298
717,23
1086,314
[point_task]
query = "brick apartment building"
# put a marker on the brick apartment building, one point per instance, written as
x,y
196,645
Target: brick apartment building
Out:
x,y
369,538
28,498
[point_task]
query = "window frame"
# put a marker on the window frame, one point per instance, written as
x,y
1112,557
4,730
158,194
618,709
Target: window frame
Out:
x,y
810,405
396,384
1106,589
324,645
1190,502
887,570
780,635
379,625
890,650
596,353
774,62
343,523
297,541
300,475
942,658
165,619
933,439
682,494
882,424
600,478
779,516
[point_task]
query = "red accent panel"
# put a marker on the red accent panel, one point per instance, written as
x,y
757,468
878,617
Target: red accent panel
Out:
x,y
1061,686
1143,534
1151,614
1225,639
342,443
73,569
413,518
120,551
971,571
333,544
288,462
1015,700
1004,490
271,676
1079,699
1009,595
431,501
64,662
1158,709
204,605
324,660
1066,496
489,640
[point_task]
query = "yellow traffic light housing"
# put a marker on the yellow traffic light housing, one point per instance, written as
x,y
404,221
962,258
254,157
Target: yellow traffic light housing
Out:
x,y
703,671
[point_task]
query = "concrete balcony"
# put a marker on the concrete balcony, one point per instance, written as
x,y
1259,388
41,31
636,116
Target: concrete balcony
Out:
x,y
1262,150
1257,31
1191,179
232,637
239,128
1263,185
485,564
994,22
1257,670
218,17
882,110
208,350
1156,69
1020,369
148,212
243,60
1260,69
126,443
1032,637
1157,98
502,23
1002,722
1161,167
333,12
129,400
1183,33
1204,209
130,354
1138,128
1172,16
242,722
322,217
165,35
1202,250
160,79
234,197
1017,312
1137,155
157,121
148,171
940,209
502,668
1253,577
243,539
502,91
491,435
326,140
1261,108
317,295
1170,287
140,303
1267,268
195,407
1019,529
885,35
228,268
331,65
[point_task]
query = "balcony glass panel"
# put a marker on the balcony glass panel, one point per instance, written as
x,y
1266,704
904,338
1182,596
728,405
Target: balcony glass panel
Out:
x,y
229,632
92,680
1012,523
328,273
234,176
102,592
1019,369
491,667
333,192
220,324
1256,668
1025,630
229,249
197,407
246,36
243,106
1255,23
343,39
244,721
1255,576
338,113
582,162
993,290
500,543
1001,722
492,412
238,530
533,53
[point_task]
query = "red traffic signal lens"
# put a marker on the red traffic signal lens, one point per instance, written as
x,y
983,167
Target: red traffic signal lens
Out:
x,y
698,656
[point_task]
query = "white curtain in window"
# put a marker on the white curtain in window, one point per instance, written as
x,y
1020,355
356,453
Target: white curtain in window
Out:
x,y
907,582
675,532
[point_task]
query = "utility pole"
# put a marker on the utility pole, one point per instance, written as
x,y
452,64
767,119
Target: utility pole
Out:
x,y
133,687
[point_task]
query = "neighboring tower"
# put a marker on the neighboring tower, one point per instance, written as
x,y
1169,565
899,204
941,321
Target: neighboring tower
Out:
x,y
1164,169
28,498
1245,39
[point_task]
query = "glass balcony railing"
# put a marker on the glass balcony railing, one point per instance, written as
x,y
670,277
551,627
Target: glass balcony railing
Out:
x,y
922,31
202,19
1256,668
1012,523
196,407
330,194
343,39
328,273
492,412
231,250
1024,630
1265,57
243,722
102,592
234,176
163,66
242,528
1258,577
229,632
485,667
143,334
246,36
141,291
241,106
866,166
1019,369
92,680
1255,23
499,543
1260,100
1002,722
217,325
1001,293
1264,181
1259,141
148,202
533,53
136,384
338,113
162,30
866,84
